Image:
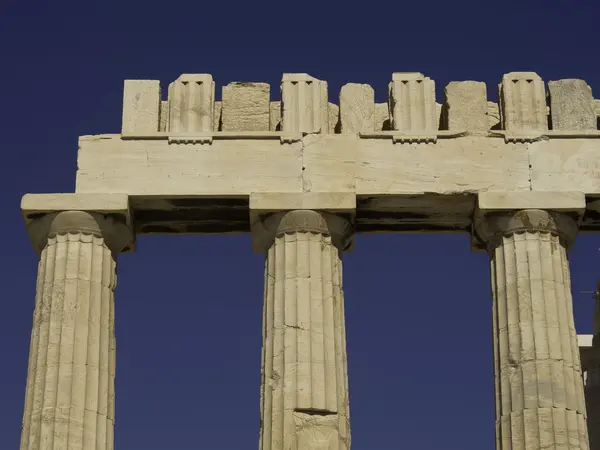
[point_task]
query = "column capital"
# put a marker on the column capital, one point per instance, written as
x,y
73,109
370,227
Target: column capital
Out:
x,y
499,214
104,215
273,214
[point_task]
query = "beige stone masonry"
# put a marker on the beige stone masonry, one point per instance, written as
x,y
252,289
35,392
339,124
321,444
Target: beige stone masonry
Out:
x,y
191,104
523,103
357,108
304,395
246,107
382,117
539,387
141,106
466,107
69,400
590,364
334,118
493,116
412,106
571,105
275,116
163,125
305,104
217,115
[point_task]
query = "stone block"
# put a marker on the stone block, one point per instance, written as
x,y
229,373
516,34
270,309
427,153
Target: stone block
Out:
x,y
466,106
412,104
555,201
217,115
164,116
523,103
493,116
191,104
305,104
275,116
334,118
141,106
245,107
382,117
357,108
571,105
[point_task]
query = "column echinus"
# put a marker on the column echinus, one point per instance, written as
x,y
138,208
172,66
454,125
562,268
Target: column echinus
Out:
x,y
538,382
69,399
304,392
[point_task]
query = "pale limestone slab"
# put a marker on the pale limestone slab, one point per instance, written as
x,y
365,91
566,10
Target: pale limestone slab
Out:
x,y
305,104
103,203
565,165
318,201
191,103
246,106
141,106
357,108
466,106
226,167
597,107
571,105
556,201
523,103
275,116
382,117
340,163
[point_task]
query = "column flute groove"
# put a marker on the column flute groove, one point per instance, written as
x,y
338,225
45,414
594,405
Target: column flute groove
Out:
x,y
539,390
304,394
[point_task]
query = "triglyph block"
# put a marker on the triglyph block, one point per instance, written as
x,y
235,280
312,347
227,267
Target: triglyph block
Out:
x,y
412,104
523,102
191,103
246,107
466,106
571,105
141,106
357,108
305,104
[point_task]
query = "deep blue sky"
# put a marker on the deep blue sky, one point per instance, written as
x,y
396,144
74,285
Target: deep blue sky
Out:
x,y
189,308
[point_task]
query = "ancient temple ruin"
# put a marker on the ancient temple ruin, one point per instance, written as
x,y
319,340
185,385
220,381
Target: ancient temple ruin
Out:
x,y
304,175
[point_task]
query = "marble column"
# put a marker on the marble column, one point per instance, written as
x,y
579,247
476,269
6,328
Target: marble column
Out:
x,y
69,400
304,394
539,389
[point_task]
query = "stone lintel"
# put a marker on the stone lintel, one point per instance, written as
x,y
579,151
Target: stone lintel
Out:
x,y
264,204
38,211
490,203
562,201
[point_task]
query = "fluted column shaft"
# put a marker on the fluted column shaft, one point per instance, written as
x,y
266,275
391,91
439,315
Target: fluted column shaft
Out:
x,y
539,389
69,400
304,398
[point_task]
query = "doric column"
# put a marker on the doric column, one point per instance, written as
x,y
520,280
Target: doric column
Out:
x,y
592,377
69,400
538,383
304,398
